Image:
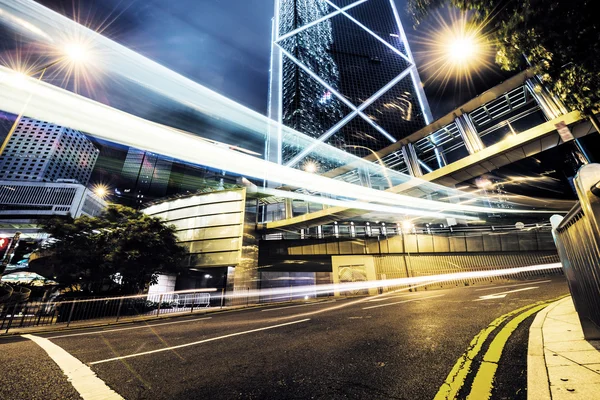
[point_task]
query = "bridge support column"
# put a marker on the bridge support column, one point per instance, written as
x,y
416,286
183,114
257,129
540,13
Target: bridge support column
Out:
x,y
365,178
411,160
288,208
469,134
549,104
440,157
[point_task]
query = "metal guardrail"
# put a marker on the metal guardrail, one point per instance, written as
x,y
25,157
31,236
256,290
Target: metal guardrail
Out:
x,y
577,238
20,314
375,230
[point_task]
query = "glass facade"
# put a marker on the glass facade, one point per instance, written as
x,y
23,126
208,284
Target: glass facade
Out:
x,y
146,174
209,226
345,76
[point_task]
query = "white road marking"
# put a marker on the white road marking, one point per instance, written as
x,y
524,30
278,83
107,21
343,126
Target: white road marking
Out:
x,y
83,379
198,342
395,296
127,329
503,294
508,286
400,302
300,305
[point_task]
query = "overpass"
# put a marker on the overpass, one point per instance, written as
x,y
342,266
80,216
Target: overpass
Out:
x,y
512,121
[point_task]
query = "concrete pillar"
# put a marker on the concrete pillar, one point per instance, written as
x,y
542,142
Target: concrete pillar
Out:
x,y
551,106
412,162
469,134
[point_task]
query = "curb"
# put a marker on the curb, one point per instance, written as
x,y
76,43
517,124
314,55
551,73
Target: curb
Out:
x,y
538,383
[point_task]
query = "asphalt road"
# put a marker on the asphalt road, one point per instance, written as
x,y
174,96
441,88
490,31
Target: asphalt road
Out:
x,y
398,346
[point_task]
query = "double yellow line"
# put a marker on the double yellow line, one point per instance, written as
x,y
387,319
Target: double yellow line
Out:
x,y
482,386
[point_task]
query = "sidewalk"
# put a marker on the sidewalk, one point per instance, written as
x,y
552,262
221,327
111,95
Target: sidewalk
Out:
x,y
560,363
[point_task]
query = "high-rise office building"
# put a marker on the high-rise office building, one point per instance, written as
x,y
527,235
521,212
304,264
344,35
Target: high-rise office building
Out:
x,y
41,151
342,73
146,175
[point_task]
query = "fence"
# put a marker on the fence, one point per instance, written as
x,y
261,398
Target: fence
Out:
x,y
367,231
577,238
20,314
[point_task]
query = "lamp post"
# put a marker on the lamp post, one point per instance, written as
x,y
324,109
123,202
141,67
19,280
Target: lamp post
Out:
x,y
407,226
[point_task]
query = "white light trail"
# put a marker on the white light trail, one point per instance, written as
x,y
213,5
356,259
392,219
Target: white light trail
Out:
x,y
301,291
58,30
68,109
361,205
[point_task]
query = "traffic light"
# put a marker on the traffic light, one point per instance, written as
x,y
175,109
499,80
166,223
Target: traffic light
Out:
x,y
4,243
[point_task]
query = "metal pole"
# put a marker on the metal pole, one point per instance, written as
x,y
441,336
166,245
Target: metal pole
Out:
x,y
40,310
71,313
159,303
23,318
12,316
192,307
222,297
119,309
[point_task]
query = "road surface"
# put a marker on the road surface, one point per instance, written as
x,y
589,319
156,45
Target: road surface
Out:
x,y
394,346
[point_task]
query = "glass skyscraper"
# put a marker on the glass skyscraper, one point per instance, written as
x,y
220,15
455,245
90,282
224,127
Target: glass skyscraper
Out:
x,y
341,73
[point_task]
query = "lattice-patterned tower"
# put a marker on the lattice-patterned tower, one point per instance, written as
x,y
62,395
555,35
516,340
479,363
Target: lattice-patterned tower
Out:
x,y
342,73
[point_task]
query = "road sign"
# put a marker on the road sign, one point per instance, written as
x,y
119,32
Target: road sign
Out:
x,y
564,131
4,243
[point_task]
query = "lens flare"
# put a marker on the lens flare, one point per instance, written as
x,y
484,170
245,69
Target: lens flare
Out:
x,y
455,49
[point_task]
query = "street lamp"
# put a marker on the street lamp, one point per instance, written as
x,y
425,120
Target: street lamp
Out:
x,y
407,226
461,49
101,191
73,52
455,48
311,167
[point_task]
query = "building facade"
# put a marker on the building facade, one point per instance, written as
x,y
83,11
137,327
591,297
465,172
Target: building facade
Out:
x,y
35,200
217,230
39,151
343,74
145,175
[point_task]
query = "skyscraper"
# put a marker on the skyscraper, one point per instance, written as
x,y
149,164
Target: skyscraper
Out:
x,y
41,151
146,175
342,73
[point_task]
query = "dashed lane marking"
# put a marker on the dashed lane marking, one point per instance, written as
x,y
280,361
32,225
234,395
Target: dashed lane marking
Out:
x,y
198,342
509,286
83,379
396,296
400,302
300,305
127,329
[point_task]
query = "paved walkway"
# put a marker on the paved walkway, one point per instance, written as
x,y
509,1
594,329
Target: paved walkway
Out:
x,y
560,363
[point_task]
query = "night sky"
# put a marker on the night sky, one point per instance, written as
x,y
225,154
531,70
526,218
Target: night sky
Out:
x,y
225,44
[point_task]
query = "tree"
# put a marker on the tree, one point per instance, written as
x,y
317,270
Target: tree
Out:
x,y
561,40
122,244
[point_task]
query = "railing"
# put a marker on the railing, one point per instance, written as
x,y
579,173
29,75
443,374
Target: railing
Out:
x,y
375,230
577,238
20,314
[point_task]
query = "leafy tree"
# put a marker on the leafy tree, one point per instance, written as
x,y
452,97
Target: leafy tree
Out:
x,y
561,39
88,253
